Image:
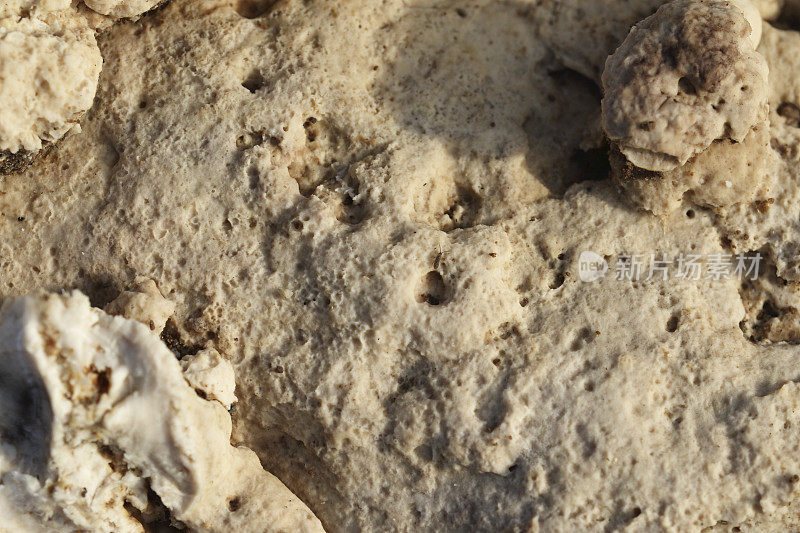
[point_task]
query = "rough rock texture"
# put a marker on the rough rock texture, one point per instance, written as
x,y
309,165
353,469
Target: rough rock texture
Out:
x,y
375,211
49,68
685,107
144,304
685,77
100,432
582,34
48,78
121,8
772,225
211,375
726,173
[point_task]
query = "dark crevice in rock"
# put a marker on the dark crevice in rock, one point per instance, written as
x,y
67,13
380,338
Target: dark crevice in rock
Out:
x,y
172,338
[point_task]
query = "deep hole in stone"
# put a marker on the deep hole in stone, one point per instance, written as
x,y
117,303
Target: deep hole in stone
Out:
x,y
686,86
254,81
673,323
254,8
433,290
234,504
791,113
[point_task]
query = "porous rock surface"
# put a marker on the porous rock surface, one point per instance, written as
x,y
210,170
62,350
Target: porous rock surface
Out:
x,y
100,431
49,69
683,78
374,210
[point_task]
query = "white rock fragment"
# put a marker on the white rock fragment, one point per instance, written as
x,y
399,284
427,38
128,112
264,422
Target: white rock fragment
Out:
x,y
97,412
144,304
48,79
49,70
770,9
685,106
209,373
684,78
35,7
122,8
753,15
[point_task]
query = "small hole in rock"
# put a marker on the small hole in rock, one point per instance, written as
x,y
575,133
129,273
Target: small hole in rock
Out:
x,y
558,281
686,86
234,504
254,81
433,290
690,213
254,8
791,113
672,324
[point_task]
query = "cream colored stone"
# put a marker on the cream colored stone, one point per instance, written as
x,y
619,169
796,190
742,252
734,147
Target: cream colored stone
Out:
x,y
48,78
144,304
122,8
207,372
375,211
752,13
726,173
107,416
769,9
666,99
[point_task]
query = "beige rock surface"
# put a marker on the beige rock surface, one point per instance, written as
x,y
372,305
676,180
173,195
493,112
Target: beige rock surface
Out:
x,y
144,304
48,78
49,69
121,8
375,211
726,173
770,9
100,432
211,375
683,78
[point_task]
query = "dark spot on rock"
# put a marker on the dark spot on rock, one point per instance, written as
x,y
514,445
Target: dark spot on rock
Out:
x,y
234,504
762,206
254,8
686,86
433,290
558,280
791,113
254,81
673,323
101,379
